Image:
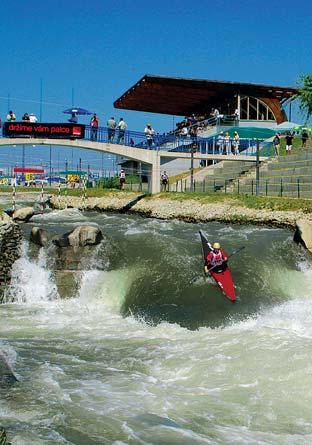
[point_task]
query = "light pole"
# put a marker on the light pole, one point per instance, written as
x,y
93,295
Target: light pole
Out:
x,y
50,177
23,156
257,168
193,148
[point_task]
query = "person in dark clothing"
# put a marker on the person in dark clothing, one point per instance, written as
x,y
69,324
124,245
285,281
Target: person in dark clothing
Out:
x,y
304,138
289,141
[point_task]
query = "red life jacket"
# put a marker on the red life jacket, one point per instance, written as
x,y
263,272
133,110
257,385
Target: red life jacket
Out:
x,y
215,259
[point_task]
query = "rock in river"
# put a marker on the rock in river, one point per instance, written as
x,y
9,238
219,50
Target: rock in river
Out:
x,y
24,214
39,236
81,236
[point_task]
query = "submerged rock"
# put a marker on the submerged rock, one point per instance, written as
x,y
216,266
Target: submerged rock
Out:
x,y
3,438
39,236
24,214
303,233
7,376
81,236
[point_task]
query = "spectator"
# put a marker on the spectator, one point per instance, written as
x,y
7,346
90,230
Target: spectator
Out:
x,y
216,113
149,133
220,143
121,131
122,179
304,138
111,128
33,118
25,117
289,141
73,119
11,116
95,121
236,115
277,144
184,132
227,143
164,181
236,143
131,143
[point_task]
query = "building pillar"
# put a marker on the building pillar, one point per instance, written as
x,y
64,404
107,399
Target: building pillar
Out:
x,y
239,104
154,182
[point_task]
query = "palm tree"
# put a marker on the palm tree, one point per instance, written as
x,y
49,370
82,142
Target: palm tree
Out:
x,y
305,95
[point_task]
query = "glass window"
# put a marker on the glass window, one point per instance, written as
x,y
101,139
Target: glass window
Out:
x,y
243,108
253,104
262,111
255,109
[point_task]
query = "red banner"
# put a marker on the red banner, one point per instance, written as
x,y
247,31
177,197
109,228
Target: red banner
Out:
x,y
28,170
53,131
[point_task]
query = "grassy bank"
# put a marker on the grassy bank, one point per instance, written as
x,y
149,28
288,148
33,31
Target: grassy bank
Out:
x,y
248,201
92,192
252,202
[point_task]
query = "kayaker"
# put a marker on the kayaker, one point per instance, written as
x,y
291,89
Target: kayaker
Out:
x,y
216,259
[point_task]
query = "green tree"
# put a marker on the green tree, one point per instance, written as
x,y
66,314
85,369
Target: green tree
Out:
x,y
305,95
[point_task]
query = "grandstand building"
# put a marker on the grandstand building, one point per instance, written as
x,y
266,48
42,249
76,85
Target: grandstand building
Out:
x,y
257,104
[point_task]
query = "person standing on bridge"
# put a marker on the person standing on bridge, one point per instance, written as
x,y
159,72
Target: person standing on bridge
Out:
x,y
149,133
95,121
11,116
235,143
121,131
111,128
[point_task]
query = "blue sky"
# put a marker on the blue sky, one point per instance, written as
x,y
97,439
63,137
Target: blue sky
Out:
x,y
99,49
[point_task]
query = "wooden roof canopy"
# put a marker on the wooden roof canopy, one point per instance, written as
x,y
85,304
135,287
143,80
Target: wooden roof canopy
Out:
x,y
182,96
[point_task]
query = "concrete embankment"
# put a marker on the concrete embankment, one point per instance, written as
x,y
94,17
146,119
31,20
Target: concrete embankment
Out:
x,y
118,202
193,210
187,210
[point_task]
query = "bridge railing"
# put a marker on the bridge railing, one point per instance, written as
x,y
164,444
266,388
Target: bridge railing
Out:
x,y
174,143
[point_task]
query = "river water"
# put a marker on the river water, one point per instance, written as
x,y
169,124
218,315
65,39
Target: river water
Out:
x,y
148,351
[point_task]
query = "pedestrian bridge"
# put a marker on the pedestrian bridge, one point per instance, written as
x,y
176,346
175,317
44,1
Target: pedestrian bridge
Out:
x,y
133,145
150,157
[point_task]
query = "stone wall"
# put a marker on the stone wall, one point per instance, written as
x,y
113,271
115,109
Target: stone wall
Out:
x,y
10,239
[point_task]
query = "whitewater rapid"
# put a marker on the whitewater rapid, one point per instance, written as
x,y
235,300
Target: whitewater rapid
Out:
x,y
102,368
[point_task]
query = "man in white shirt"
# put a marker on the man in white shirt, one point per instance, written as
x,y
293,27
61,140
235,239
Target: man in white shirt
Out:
x,y
121,131
33,118
149,133
122,178
111,127
11,116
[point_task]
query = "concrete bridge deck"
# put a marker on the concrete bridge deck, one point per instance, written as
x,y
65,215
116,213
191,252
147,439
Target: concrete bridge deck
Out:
x,y
149,157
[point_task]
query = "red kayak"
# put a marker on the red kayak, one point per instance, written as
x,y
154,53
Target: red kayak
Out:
x,y
223,279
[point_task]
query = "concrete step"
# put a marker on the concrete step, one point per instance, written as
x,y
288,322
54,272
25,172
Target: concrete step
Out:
x,y
286,172
286,164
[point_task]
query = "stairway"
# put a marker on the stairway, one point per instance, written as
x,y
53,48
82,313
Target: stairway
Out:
x,y
288,176
214,177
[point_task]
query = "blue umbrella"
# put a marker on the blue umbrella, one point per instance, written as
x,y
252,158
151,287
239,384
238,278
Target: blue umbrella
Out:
x,y
77,110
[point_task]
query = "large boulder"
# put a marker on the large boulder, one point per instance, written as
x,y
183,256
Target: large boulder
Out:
x,y
81,236
39,236
303,233
24,214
